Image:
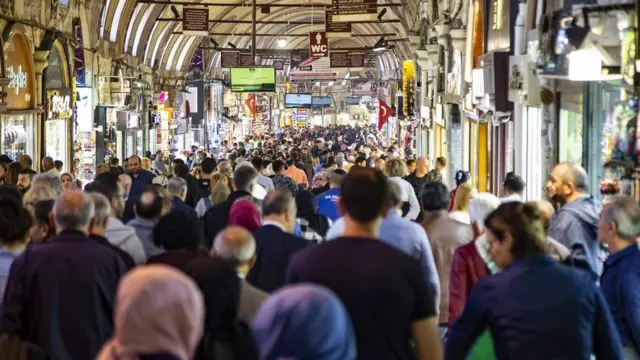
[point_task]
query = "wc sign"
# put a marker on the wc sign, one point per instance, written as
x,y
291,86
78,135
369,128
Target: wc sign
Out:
x,y
318,44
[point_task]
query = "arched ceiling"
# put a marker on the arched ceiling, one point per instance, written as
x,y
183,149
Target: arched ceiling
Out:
x,y
147,32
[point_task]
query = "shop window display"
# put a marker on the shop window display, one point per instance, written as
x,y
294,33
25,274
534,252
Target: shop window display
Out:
x,y
16,135
571,126
56,139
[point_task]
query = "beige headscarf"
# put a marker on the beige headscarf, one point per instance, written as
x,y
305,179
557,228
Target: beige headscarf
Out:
x,y
158,310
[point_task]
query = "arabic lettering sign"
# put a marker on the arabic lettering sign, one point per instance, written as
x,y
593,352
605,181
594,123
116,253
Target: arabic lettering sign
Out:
x,y
18,68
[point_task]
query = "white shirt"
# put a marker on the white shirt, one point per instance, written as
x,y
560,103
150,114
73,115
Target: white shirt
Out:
x,y
407,194
461,216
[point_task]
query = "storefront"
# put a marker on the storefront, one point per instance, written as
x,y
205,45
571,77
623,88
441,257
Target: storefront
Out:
x,y
59,107
84,145
17,124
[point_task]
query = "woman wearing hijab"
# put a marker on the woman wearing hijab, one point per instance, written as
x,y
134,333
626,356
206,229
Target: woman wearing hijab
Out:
x,y
224,337
139,331
313,225
244,213
304,322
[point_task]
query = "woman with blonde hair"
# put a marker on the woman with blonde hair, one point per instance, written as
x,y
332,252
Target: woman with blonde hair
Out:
x,y
220,191
460,211
396,170
159,315
38,193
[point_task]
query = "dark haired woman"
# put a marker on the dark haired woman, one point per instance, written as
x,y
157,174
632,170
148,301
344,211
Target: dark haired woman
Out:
x,y
535,308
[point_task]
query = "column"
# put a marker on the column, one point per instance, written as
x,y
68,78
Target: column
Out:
x,y
40,62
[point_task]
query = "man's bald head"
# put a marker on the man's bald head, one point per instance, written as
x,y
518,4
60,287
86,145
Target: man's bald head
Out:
x,y
73,211
572,174
150,204
236,245
422,165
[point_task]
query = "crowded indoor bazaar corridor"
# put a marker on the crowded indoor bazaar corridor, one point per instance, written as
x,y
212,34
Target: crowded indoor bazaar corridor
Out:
x,y
319,180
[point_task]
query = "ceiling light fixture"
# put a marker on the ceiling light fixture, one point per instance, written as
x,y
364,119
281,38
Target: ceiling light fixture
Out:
x,y
232,45
176,14
381,45
282,43
381,14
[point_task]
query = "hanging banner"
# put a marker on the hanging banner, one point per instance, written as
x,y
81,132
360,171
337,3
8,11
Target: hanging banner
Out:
x,y
196,63
346,11
628,63
195,21
336,29
78,54
408,87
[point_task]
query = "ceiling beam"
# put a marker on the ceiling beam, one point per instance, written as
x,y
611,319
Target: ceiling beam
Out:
x,y
284,35
287,5
286,52
283,22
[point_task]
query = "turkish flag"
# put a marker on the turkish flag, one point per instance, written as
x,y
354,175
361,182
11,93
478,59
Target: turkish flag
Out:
x,y
251,104
384,111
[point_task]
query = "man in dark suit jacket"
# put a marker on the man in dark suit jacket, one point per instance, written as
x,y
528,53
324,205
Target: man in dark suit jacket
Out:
x,y
275,242
60,294
177,187
217,217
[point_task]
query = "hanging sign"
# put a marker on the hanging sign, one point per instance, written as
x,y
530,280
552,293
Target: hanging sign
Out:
x,y
339,59
245,59
336,29
59,104
356,60
278,64
229,58
195,21
318,44
408,87
346,11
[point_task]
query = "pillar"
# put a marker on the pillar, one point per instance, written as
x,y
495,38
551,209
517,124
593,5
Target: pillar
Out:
x,y
40,62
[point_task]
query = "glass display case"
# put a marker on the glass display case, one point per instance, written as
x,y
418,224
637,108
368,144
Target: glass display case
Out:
x,y
17,135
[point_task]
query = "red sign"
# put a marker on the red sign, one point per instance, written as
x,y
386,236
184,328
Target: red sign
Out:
x,y
251,104
384,111
318,44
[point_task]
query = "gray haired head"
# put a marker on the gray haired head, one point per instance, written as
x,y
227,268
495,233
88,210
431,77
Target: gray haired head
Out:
x,y
625,213
176,186
49,180
73,211
481,206
236,245
101,207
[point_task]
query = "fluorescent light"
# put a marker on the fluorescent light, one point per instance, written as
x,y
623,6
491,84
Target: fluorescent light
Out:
x,y
282,43
330,83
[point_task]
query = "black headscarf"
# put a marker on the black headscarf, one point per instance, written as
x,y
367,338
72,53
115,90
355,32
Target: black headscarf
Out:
x,y
220,286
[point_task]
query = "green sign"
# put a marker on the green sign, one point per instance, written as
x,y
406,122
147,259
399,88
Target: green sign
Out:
x,y
253,79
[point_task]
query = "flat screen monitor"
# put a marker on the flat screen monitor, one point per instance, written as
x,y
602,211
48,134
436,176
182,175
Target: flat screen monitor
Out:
x,y
353,100
253,79
321,101
296,101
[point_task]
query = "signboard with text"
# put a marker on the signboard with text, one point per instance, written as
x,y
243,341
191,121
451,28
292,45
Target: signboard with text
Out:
x,y
336,29
354,10
318,44
195,21
229,58
59,104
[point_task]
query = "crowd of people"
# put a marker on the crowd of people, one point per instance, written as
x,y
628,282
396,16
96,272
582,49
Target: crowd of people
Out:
x,y
311,244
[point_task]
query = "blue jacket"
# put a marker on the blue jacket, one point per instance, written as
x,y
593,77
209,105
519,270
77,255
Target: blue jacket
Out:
x,y
179,206
621,287
139,183
577,223
537,309
328,204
